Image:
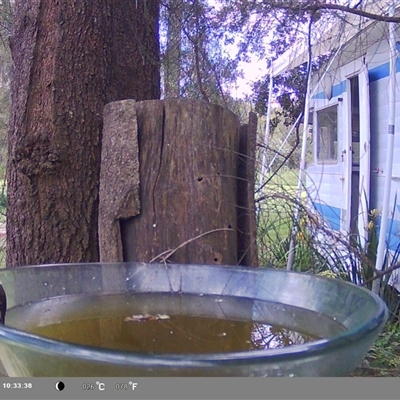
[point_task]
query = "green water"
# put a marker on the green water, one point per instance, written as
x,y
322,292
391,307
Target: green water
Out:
x,y
171,323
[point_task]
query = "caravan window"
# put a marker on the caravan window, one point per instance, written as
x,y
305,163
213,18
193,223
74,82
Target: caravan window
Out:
x,y
327,134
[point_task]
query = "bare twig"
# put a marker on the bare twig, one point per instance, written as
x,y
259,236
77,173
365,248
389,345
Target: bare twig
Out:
x,y
168,253
379,274
314,6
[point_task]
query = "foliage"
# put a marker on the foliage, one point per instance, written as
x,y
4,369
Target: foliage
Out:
x,y
383,359
201,56
321,251
192,52
382,352
252,22
289,92
317,247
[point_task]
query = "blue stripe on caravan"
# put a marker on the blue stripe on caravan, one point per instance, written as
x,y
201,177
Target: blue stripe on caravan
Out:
x,y
382,71
378,72
330,214
320,95
337,90
392,233
374,74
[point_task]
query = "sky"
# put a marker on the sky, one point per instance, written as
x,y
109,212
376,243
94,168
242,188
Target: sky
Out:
x,y
251,72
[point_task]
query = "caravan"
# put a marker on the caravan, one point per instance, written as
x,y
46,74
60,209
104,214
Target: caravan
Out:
x,y
350,115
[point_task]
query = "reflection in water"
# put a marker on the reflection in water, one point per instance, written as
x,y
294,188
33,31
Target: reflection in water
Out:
x,y
264,336
166,323
178,334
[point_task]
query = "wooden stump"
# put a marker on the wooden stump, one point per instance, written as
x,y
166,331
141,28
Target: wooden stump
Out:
x,y
188,184
196,172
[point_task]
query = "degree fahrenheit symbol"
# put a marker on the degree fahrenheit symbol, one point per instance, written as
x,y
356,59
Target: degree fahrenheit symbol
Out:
x,y
133,384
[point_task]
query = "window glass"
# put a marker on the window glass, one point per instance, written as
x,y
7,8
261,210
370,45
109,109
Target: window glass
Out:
x,y
327,134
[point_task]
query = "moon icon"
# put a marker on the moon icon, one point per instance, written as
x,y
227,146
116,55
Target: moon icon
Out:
x,y
60,386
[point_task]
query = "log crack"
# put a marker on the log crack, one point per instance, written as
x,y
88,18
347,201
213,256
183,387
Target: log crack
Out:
x,y
160,162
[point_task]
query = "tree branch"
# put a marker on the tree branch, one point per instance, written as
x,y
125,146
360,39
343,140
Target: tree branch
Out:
x,y
316,5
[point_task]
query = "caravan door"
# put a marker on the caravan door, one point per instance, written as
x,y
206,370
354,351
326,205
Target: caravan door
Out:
x,y
358,166
365,155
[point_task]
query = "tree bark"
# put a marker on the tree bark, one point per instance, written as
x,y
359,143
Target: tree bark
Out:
x,y
119,176
247,224
188,164
70,59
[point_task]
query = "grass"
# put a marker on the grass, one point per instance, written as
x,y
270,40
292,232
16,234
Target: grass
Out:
x,y
275,224
275,219
318,252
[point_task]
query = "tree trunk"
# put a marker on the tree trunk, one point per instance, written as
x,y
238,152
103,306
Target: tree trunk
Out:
x,y
188,154
172,63
70,59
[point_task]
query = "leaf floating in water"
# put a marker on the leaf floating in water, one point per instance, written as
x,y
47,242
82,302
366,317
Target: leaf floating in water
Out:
x,y
146,317
135,318
162,316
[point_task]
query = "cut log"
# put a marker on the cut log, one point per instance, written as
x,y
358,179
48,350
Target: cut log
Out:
x,y
188,154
